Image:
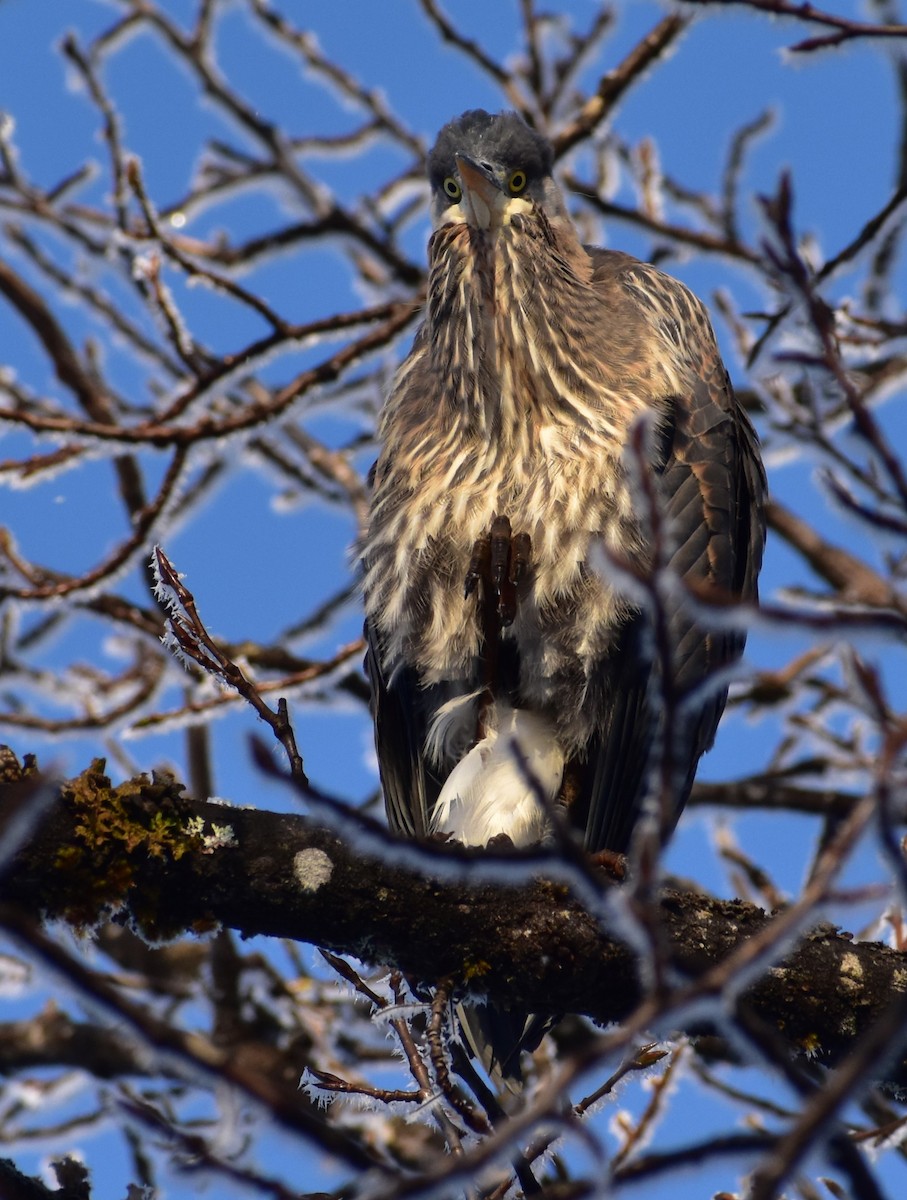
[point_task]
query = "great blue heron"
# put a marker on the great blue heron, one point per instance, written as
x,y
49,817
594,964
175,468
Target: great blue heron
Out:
x,y
512,668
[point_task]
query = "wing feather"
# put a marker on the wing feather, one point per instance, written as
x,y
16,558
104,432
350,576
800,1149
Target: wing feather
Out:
x,y
401,711
712,488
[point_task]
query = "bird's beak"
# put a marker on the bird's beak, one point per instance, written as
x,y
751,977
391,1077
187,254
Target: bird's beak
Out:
x,y
483,196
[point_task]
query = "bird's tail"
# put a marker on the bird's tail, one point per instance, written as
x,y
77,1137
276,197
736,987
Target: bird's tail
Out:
x,y
505,785
497,1037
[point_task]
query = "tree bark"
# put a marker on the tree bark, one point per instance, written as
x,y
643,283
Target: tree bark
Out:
x,y
173,865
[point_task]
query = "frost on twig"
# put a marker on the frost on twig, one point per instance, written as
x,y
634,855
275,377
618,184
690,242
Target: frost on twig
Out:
x,y
187,637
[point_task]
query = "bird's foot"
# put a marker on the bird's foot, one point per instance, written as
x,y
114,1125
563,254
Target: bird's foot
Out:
x,y
479,564
500,841
615,864
501,560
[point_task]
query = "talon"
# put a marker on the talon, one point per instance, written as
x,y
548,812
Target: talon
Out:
x,y
479,565
501,561
520,558
507,607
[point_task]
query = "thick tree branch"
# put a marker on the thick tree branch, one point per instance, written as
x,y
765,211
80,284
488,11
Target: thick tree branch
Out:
x,y
175,864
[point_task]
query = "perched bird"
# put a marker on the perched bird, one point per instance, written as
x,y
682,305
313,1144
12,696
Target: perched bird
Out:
x,y
562,431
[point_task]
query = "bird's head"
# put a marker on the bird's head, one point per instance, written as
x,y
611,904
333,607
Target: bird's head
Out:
x,y
486,169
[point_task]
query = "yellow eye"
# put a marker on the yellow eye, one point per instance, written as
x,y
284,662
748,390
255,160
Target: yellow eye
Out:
x,y
452,188
517,182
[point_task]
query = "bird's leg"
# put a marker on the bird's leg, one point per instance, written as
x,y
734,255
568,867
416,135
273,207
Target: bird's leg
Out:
x,y
609,860
521,557
491,635
501,586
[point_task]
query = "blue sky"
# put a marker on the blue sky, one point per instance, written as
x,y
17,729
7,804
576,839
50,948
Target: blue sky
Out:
x,y
255,562
688,106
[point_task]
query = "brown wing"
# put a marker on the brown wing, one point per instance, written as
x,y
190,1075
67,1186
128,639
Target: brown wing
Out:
x,y
712,486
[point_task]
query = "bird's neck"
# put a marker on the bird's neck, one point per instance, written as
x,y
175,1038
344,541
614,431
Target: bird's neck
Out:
x,y
504,310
